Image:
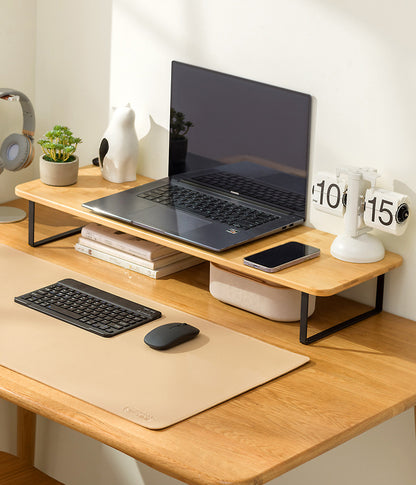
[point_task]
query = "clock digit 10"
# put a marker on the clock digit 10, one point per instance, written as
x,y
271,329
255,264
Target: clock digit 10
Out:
x,y
329,194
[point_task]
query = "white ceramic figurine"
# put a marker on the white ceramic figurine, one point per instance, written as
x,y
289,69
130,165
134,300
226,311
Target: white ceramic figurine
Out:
x,y
119,147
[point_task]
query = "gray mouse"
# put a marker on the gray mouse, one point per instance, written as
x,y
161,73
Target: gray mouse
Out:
x,y
170,335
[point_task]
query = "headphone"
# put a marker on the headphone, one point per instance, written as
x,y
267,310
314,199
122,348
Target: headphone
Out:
x,y
17,150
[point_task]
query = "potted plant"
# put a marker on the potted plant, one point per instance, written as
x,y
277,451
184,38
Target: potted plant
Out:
x,y
59,164
178,144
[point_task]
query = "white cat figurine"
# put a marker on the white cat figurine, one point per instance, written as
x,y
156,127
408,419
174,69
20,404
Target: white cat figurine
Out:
x,y
119,147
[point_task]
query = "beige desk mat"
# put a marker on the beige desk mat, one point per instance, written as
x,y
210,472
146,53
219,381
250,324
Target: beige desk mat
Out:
x,y
122,374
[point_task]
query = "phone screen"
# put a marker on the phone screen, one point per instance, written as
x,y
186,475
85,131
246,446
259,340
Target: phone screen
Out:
x,y
281,256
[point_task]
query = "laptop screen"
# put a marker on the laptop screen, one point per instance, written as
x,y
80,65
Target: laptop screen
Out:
x,y
240,137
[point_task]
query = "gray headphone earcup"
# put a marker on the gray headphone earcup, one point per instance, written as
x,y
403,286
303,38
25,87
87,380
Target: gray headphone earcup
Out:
x,y
16,152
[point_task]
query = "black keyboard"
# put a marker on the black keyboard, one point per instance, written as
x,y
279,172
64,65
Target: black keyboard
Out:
x,y
244,186
214,208
88,307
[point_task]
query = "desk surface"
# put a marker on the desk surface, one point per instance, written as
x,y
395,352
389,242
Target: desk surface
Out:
x,y
355,379
321,276
122,374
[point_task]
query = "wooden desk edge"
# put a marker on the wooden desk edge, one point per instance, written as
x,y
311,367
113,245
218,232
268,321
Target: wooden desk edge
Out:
x,y
92,421
104,426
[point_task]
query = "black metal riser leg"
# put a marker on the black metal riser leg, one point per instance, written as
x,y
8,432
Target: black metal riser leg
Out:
x,y
303,334
31,230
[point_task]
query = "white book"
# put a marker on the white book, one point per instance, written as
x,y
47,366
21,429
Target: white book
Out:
x,y
126,242
153,273
154,264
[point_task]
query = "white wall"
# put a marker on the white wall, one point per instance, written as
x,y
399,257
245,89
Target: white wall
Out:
x,y
72,69
17,72
356,57
58,54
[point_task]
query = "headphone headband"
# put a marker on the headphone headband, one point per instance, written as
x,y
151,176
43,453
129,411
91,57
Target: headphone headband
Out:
x,y
17,151
27,109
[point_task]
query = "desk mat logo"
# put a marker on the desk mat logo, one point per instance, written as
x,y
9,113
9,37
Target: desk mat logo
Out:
x,y
129,411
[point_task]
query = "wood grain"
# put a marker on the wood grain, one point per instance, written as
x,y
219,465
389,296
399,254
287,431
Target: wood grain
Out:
x,y
15,471
323,276
356,379
26,435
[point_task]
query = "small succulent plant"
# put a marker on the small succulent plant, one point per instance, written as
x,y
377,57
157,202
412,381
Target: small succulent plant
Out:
x,y
59,144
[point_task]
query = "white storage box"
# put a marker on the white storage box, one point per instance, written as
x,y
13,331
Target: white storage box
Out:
x,y
257,296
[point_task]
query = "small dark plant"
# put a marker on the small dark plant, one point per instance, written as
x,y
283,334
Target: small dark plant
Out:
x,y
58,144
178,126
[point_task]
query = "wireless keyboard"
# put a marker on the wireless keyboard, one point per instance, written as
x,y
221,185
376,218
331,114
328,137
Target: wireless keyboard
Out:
x,y
89,308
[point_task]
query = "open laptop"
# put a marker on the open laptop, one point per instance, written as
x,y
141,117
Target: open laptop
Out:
x,y
238,163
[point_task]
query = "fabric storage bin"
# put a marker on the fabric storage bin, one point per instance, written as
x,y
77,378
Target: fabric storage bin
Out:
x,y
255,295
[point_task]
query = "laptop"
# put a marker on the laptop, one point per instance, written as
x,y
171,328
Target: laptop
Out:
x,y
238,163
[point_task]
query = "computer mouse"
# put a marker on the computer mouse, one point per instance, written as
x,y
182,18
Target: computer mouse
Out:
x,y
170,335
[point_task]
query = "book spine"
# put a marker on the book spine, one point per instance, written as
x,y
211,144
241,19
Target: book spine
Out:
x,y
158,273
154,264
115,242
90,243
115,260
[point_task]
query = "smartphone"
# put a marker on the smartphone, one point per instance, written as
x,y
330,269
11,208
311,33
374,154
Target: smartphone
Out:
x,y
280,257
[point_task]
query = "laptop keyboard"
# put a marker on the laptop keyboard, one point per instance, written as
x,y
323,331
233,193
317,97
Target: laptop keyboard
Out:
x,y
88,307
210,207
249,188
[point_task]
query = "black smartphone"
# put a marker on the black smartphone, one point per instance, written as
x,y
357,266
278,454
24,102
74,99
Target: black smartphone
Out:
x,y
280,257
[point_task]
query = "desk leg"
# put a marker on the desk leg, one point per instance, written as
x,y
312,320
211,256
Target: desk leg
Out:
x,y
415,417
26,435
31,235
303,335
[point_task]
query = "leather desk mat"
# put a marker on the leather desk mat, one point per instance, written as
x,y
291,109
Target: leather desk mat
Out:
x,y
122,374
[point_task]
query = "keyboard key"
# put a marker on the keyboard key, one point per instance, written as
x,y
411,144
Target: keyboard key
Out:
x,y
255,190
210,207
63,311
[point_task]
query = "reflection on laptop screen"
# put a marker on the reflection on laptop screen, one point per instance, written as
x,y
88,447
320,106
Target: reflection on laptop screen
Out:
x,y
240,137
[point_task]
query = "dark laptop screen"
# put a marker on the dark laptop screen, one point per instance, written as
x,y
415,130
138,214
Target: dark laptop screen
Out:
x,y
240,136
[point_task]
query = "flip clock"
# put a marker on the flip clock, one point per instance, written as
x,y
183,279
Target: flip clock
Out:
x,y
352,193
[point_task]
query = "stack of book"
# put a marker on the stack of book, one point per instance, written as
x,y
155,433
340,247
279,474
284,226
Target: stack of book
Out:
x,y
130,252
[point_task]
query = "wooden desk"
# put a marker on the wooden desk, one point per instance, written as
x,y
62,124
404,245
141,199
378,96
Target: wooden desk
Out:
x,y
356,379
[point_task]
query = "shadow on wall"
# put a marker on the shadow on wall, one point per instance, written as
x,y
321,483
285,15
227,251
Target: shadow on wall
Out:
x,y
167,33
402,188
151,476
379,20
153,151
